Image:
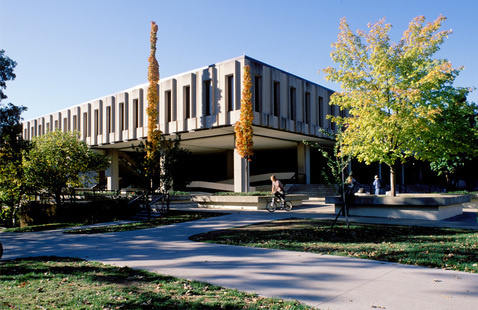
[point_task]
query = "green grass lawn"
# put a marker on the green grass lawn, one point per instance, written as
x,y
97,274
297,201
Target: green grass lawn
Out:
x,y
65,283
453,249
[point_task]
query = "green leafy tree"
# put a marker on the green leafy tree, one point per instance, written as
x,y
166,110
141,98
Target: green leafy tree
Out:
x,y
6,72
12,185
396,94
58,161
11,147
460,124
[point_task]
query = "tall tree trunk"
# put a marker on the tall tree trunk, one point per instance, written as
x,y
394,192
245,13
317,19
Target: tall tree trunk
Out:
x,y
392,180
246,176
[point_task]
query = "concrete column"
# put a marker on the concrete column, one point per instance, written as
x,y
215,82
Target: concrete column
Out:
x,y
241,173
303,163
112,173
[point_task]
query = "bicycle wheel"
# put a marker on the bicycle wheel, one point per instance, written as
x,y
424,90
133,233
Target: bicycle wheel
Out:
x,y
271,206
288,205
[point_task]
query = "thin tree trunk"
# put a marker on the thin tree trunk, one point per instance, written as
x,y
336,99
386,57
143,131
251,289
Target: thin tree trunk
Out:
x,y
392,181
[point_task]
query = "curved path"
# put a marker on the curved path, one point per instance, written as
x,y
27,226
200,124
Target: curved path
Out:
x,y
323,281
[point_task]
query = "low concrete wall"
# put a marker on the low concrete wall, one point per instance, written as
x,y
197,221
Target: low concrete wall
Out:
x,y
409,206
242,202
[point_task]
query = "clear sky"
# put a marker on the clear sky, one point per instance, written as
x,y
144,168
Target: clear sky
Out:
x,y
73,51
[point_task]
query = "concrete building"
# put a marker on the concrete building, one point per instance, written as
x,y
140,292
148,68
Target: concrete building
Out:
x,y
202,107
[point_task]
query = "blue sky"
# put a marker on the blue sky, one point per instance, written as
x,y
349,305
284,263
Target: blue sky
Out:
x,y
70,52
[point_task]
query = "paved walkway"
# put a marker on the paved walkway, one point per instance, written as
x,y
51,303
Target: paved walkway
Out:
x,y
323,281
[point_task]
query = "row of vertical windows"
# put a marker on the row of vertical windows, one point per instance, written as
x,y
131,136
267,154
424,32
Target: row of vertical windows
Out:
x,y
292,108
188,107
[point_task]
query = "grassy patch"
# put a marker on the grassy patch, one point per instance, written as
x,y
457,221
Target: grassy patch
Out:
x,y
63,283
172,217
41,227
453,249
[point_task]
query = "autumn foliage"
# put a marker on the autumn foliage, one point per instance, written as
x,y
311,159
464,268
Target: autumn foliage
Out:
x,y
243,127
153,98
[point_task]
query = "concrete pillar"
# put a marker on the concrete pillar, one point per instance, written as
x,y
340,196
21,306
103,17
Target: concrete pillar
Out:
x,y
112,173
241,174
303,163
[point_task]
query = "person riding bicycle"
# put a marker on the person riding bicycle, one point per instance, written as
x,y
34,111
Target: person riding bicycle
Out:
x,y
277,188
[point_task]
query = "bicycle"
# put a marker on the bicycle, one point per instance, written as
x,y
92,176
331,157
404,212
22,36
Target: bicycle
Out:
x,y
275,202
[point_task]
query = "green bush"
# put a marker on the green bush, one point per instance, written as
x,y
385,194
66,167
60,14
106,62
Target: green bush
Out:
x,y
96,211
36,213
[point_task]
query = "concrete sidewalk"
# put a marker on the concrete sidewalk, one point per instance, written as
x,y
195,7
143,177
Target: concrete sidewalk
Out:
x,y
323,281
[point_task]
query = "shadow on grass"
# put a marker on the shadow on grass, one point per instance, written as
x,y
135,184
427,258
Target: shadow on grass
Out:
x,y
455,249
71,283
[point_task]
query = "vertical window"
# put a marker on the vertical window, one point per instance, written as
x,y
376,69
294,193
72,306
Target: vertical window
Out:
x,y
169,105
122,116
292,103
276,99
229,93
321,111
332,112
75,123
136,113
56,124
307,108
65,124
85,126
108,119
39,130
187,100
97,123
257,93
207,97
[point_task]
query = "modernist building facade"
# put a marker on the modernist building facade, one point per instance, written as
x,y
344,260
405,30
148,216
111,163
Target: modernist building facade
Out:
x,y
202,107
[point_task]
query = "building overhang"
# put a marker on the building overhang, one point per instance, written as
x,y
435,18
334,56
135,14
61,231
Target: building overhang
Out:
x,y
217,139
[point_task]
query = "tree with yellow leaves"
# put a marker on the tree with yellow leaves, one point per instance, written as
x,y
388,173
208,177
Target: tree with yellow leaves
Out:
x,y
153,97
396,94
243,128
